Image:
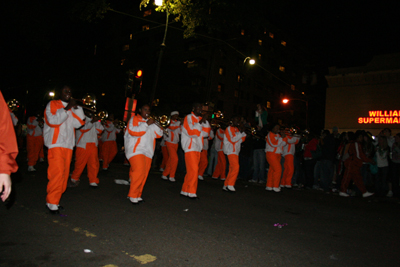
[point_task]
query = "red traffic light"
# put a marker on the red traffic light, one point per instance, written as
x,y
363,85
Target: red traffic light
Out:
x,y
139,74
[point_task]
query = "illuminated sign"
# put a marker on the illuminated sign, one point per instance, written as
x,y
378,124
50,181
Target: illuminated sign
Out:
x,y
381,117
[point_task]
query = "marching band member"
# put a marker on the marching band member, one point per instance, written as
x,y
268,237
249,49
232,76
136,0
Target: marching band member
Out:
x,y
140,144
273,150
61,118
164,153
288,151
8,150
34,142
14,118
171,143
234,136
109,142
220,168
86,150
207,134
192,144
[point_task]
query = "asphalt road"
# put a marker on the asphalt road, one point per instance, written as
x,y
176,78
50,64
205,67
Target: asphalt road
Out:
x,y
218,229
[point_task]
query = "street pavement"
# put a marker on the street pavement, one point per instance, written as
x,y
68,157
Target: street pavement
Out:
x,y
251,227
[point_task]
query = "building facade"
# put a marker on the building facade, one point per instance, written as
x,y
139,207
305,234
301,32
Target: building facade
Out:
x,y
365,97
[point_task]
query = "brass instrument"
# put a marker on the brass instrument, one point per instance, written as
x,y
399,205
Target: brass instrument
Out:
x,y
120,124
253,132
103,115
162,121
13,105
87,102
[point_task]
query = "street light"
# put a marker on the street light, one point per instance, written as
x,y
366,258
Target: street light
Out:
x,y
286,100
251,61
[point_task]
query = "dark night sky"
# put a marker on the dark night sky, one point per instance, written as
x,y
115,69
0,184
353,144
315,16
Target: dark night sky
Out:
x,y
39,41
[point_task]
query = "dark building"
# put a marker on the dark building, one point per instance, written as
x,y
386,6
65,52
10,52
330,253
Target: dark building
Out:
x,y
216,68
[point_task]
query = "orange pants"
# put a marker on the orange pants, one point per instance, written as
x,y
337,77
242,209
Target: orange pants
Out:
x,y
90,157
172,162
275,169
233,170
220,169
164,151
203,162
34,147
192,160
289,170
138,172
100,149
59,159
109,151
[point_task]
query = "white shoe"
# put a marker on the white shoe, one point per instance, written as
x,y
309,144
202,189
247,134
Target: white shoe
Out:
x,y
192,195
93,184
74,183
282,185
172,179
390,194
288,186
164,177
225,188
161,169
343,194
105,169
276,189
231,188
41,160
31,169
120,181
140,199
134,200
223,179
368,194
268,188
184,193
53,207
200,177
215,178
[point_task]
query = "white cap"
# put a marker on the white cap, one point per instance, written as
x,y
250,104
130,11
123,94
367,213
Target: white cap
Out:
x,y
174,113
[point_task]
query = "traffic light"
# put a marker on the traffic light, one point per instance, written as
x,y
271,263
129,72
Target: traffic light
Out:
x,y
134,84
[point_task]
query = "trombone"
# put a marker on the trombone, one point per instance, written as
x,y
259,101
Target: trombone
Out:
x,y
162,121
87,102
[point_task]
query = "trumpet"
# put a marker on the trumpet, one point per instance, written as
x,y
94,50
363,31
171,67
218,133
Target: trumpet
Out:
x,y
13,105
162,121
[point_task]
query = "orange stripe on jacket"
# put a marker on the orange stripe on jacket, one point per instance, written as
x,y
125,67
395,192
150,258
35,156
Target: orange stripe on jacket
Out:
x,y
54,106
228,136
135,122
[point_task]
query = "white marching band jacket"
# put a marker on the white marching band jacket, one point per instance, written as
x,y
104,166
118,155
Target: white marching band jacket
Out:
x,y
174,129
290,147
208,134
274,143
33,127
219,140
58,130
191,138
232,140
88,133
140,138
110,132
